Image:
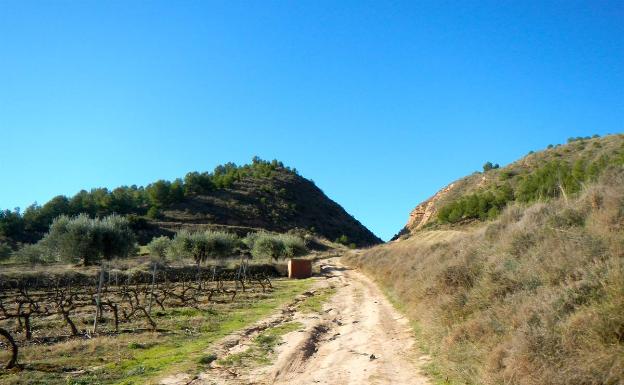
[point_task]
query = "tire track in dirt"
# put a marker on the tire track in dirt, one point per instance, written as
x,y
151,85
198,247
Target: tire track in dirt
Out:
x,y
358,338
366,341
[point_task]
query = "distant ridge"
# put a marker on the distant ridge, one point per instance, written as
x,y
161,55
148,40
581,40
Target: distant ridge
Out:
x,y
280,202
262,195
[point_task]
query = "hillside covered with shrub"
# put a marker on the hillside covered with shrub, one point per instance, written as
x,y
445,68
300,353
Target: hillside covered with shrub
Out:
x,y
558,171
529,294
260,195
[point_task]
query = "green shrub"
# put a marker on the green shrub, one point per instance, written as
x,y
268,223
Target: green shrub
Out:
x,y
294,246
33,254
158,247
489,166
268,246
483,205
265,245
153,212
207,359
506,175
552,179
343,240
568,217
5,251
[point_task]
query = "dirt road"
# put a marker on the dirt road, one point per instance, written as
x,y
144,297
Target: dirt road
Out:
x,y
358,338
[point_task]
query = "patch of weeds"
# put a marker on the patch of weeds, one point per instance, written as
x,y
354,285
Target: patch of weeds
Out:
x,y
521,242
139,369
185,312
85,380
458,276
138,345
284,328
266,342
271,337
433,371
314,304
567,218
263,346
211,326
236,359
511,264
532,283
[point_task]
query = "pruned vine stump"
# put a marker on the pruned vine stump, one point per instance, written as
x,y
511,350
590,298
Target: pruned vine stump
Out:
x,y
13,346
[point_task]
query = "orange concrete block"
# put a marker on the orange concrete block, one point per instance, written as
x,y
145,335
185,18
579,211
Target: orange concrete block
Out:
x,y
299,268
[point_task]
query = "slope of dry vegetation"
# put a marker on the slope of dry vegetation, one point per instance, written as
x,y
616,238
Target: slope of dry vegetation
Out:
x,y
534,297
556,171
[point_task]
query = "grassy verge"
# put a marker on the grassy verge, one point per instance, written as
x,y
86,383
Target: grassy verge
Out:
x,y
143,357
315,303
259,353
263,346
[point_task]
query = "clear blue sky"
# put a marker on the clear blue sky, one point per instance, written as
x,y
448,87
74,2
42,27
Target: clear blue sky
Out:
x,y
380,103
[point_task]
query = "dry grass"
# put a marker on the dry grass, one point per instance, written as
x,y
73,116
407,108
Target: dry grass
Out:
x,y
535,297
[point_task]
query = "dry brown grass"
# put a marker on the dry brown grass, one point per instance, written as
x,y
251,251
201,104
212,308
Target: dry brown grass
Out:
x,y
535,297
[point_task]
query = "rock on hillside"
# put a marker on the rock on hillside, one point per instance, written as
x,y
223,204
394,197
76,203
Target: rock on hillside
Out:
x,y
421,215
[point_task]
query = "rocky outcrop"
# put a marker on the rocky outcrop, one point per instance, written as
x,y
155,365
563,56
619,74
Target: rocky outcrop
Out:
x,y
423,213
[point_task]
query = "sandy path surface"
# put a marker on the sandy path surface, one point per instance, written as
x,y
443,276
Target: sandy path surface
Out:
x,y
358,338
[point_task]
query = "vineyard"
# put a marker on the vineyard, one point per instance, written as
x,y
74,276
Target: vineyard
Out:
x,y
118,326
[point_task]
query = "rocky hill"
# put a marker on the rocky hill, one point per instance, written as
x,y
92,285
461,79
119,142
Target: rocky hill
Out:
x,y
556,171
280,202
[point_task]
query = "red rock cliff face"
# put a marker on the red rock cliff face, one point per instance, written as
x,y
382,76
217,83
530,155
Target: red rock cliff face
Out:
x,y
421,215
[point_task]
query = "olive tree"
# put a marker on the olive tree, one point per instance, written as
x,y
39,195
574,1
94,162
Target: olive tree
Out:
x,y
204,245
91,240
201,246
275,246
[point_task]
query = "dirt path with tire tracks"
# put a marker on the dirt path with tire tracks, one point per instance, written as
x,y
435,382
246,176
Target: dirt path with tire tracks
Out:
x,y
358,338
